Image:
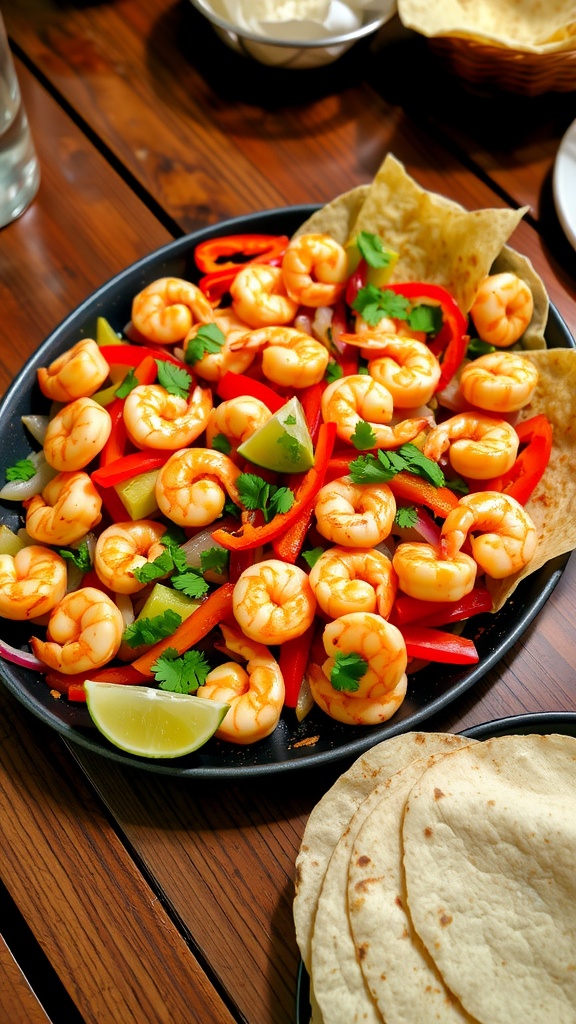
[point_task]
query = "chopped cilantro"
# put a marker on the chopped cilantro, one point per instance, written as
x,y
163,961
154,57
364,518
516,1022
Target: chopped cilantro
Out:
x,y
477,347
24,469
257,494
149,631
375,303
215,559
208,340
347,671
191,583
290,420
163,565
80,556
180,673
174,378
291,446
127,385
311,556
333,371
220,443
371,469
371,248
363,436
406,517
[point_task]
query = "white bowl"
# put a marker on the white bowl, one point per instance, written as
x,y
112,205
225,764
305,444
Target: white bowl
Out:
x,y
292,53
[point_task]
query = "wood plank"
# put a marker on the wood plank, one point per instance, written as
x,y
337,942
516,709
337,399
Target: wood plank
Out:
x,y
17,1000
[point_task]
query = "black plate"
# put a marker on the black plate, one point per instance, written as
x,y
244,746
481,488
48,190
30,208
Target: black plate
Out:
x,y
541,723
436,686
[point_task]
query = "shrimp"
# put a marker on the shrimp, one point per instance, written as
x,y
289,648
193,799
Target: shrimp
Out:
x,y
273,601
84,632
213,365
315,269
354,515
381,689
407,368
259,296
426,573
77,373
236,419
255,693
124,547
66,510
499,382
358,398
154,418
502,309
76,434
32,582
479,446
166,309
191,487
359,580
289,356
508,536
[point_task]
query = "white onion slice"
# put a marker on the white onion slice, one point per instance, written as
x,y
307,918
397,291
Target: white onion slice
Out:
x,y
19,490
21,658
37,426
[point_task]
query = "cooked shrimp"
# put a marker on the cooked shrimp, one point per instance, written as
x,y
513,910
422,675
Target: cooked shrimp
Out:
x,y
77,373
66,510
315,269
76,434
381,689
507,536
237,419
124,547
354,515
426,573
273,601
358,398
191,487
359,580
166,309
289,356
84,632
259,296
479,446
213,365
255,693
154,418
499,381
32,582
407,368
502,309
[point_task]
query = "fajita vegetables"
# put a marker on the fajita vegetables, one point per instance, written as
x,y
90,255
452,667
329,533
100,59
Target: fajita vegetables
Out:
x,y
292,479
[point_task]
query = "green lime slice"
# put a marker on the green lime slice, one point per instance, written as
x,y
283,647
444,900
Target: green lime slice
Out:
x,y
152,723
283,444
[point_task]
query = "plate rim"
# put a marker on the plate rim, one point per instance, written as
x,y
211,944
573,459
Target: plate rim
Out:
x,y
564,198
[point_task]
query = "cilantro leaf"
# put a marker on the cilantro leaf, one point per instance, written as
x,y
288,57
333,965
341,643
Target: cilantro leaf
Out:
x,y
180,673
420,464
425,318
191,583
220,443
149,631
363,436
372,249
477,347
24,469
208,340
371,469
347,671
215,559
258,494
127,385
406,517
290,420
311,556
375,303
161,566
80,556
174,378
333,371
291,445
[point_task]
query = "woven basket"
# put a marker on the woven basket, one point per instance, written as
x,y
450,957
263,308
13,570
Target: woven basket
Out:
x,y
514,70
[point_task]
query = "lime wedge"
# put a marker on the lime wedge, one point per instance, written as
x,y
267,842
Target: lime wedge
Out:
x,y
283,444
152,723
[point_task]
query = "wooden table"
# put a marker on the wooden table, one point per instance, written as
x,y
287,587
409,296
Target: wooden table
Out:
x,y
127,896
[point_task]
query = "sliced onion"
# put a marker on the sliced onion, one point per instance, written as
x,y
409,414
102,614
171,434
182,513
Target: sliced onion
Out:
x,y
126,608
36,425
22,658
424,529
19,490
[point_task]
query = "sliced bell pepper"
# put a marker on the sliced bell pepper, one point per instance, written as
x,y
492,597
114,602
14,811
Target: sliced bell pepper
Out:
x,y
528,469
293,659
289,544
408,610
404,485
311,400
234,251
236,385
452,340
115,446
128,466
438,645
132,355
122,674
356,281
215,285
251,536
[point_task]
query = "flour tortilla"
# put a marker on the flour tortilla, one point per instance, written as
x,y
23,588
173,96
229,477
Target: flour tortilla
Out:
x,y
489,836
399,973
339,986
531,26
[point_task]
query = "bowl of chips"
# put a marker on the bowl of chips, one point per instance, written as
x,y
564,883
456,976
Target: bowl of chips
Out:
x,y
294,33
527,48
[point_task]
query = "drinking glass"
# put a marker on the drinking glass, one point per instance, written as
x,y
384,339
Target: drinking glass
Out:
x,y
19,170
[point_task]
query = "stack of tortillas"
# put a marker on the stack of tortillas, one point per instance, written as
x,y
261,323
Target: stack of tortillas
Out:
x,y
436,882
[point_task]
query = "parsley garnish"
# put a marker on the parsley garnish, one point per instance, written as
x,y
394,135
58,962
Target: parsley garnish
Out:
x,y
191,583
180,674
220,443
347,672
215,559
333,371
371,248
174,378
24,469
128,384
257,494
406,517
80,556
207,341
379,468
364,436
311,556
172,558
375,303
149,631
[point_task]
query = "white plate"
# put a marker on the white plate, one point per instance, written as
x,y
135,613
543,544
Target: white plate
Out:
x,y
564,184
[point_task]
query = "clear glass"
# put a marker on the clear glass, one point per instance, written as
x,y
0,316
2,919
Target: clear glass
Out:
x,y
19,169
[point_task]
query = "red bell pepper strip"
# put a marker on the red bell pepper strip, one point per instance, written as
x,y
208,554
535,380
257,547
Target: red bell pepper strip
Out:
x,y
112,504
116,444
437,645
288,546
132,355
250,536
519,482
218,253
217,284
129,466
236,385
452,340
122,674
311,399
216,608
357,280
408,610
293,659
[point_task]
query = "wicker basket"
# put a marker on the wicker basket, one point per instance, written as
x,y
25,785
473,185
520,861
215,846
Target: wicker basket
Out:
x,y
530,74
